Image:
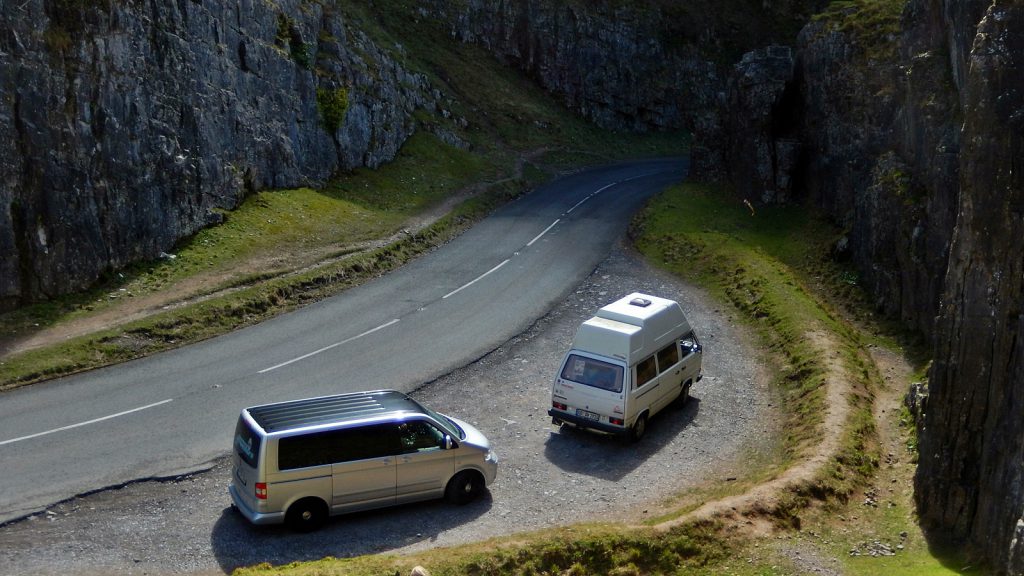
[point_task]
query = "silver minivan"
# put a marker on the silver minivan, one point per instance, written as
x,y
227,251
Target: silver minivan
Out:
x,y
299,462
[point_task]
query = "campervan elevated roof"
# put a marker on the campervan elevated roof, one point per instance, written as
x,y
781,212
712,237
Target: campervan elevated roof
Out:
x,y
632,327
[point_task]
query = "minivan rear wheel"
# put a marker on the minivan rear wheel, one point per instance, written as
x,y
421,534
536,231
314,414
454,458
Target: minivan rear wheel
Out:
x,y
306,515
464,487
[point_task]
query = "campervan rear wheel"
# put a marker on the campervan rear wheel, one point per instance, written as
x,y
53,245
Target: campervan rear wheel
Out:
x,y
464,487
306,515
639,428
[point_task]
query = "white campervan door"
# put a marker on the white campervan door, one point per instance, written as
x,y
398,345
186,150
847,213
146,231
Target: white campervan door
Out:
x,y
659,379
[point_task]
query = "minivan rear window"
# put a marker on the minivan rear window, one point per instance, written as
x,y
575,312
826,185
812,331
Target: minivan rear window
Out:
x,y
247,443
592,372
336,446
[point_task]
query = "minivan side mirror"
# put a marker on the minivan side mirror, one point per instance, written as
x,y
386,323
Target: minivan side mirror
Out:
x,y
449,443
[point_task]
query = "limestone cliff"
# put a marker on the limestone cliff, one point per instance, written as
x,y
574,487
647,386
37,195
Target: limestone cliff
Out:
x,y
911,129
130,124
970,481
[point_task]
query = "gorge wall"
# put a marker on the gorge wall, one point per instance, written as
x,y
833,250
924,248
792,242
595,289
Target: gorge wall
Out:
x,y
131,124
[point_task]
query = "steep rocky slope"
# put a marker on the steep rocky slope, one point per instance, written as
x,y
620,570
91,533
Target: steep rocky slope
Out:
x,y
970,481
131,124
910,121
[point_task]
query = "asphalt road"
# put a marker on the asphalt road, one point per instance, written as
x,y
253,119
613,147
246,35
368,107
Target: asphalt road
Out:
x,y
546,476
176,411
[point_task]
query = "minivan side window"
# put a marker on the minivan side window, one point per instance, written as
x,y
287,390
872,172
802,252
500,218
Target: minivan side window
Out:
x,y
668,356
646,370
335,446
419,436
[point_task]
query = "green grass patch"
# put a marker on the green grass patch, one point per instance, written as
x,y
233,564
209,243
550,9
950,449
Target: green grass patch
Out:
x,y
873,24
748,259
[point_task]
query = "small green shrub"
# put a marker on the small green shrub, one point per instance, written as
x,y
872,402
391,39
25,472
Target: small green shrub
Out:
x,y
333,105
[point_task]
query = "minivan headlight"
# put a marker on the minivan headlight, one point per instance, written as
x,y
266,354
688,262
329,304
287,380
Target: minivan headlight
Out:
x,y
491,457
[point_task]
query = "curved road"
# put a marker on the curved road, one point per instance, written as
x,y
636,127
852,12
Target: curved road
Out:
x,y
176,411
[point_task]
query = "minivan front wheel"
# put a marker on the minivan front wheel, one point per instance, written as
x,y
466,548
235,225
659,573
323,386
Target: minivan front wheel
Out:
x,y
464,487
306,515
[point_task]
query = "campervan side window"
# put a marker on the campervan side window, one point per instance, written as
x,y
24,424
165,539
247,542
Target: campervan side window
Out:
x,y
334,446
591,372
668,356
646,370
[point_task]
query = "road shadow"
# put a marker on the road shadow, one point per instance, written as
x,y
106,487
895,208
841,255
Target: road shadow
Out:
x,y
610,458
236,542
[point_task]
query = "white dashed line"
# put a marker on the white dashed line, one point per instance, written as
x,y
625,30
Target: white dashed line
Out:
x,y
87,422
326,348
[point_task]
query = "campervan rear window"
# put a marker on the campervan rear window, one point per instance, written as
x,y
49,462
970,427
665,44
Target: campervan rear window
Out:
x,y
595,373
247,443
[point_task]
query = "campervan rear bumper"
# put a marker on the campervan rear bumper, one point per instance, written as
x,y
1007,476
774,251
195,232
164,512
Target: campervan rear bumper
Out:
x,y
560,417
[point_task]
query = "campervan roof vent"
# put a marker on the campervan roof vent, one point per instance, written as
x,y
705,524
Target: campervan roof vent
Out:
x,y
641,302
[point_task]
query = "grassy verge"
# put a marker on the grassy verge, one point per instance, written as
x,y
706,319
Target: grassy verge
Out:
x,y
760,266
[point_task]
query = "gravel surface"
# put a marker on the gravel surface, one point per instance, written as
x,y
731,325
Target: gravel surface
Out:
x,y
546,476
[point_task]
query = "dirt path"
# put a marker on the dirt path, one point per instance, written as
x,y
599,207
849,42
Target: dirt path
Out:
x,y
746,512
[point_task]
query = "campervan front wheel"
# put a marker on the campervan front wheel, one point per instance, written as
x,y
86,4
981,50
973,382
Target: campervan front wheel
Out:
x,y
639,428
684,395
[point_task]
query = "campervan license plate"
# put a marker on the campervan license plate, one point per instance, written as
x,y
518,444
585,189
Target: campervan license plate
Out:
x,y
588,415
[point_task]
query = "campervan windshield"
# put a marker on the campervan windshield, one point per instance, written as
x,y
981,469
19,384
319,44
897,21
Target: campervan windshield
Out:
x,y
593,372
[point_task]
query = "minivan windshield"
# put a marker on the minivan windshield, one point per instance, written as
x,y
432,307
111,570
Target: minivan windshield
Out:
x,y
453,429
593,372
247,443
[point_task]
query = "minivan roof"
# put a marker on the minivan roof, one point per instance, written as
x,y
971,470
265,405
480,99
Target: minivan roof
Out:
x,y
331,409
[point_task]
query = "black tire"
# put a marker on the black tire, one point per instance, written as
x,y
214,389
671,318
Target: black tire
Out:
x,y
464,487
639,428
306,515
684,395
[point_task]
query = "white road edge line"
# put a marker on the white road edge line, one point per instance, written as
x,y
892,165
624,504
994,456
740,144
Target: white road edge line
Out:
x,y
326,348
93,421
475,280
530,243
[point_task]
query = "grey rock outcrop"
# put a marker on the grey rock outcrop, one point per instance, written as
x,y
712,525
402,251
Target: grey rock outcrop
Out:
x,y
131,125
760,144
610,64
911,140
970,480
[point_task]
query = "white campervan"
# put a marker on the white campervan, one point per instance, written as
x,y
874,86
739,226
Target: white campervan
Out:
x,y
636,356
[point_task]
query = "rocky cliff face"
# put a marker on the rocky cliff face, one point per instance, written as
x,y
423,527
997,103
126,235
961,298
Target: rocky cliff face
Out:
x,y
130,124
912,140
606,63
625,66
970,481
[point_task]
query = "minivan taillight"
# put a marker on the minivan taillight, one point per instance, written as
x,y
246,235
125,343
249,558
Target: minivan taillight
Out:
x,y
559,406
261,490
